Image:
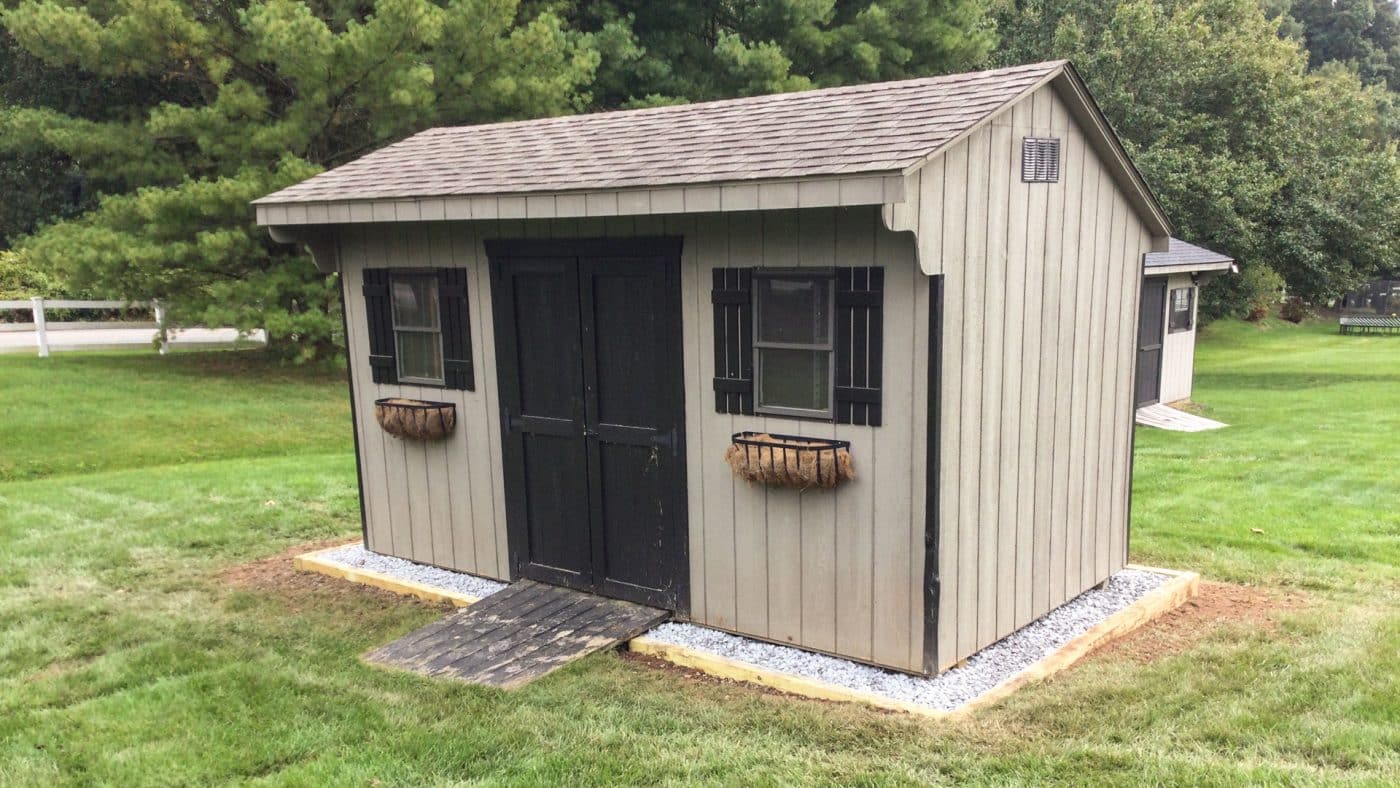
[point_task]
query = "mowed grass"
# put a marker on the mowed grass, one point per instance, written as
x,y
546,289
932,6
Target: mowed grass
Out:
x,y
127,656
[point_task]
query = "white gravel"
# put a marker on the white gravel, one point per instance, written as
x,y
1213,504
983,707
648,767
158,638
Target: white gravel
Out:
x,y
355,556
946,691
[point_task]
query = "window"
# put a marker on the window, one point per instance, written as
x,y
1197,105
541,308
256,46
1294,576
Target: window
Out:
x,y
793,329
1040,160
1181,306
417,331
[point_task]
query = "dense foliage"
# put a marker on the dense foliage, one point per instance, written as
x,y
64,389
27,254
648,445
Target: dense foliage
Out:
x,y
664,51
138,130
1250,152
234,99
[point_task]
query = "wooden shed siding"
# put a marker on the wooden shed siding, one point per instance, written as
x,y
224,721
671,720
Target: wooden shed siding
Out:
x,y
1041,287
1178,349
834,571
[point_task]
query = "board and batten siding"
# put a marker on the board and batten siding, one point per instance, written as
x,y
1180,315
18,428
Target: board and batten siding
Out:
x,y
838,571
1041,285
1178,348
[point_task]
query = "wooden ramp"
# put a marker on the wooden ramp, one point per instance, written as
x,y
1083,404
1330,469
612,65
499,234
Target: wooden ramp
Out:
x,y
517,635
1167,418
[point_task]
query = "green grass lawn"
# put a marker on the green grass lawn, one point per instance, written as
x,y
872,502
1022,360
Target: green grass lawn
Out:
x,y
130,485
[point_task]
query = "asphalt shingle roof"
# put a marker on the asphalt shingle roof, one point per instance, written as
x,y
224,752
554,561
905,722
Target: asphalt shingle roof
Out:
x,y
1181,253
861,129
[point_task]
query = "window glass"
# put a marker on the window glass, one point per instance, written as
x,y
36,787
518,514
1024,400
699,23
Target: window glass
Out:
x,y
793,343
417,335
795,379
420,355
415,302
794,311
1180,319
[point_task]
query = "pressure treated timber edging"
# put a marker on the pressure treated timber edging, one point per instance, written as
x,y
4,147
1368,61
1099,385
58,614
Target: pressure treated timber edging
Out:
x,y
1175,591
313,562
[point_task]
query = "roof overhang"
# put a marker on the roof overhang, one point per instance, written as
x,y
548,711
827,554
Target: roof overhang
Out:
x,y
879,188
1191,268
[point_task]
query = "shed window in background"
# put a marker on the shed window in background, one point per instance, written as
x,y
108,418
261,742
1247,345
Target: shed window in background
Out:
x,y
1181,308
417,331
793,329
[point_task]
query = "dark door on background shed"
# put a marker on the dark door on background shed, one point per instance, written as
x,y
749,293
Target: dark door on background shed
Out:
x,y
589,359
1151,319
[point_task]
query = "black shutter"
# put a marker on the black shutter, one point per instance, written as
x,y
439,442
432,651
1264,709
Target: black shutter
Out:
x,y
380,317
456,329
733,299
860,297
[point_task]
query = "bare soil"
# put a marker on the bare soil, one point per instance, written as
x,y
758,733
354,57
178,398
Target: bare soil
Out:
x,y
1216,606
276,575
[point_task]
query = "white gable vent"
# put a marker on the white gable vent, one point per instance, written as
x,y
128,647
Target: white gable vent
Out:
x,y
1040,160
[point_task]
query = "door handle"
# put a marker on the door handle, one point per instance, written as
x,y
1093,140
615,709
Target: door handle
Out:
x,y
666,440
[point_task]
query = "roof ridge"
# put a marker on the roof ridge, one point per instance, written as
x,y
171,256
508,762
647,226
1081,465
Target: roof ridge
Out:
x,y
765,98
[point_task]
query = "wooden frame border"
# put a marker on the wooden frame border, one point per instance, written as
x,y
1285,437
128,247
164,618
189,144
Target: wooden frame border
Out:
x,y
1175,591
315,562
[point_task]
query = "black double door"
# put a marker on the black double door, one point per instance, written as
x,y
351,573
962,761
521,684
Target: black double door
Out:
x,y
589,358
1152,317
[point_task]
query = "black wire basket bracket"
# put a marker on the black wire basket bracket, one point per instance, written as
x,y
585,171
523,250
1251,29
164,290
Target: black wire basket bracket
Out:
x,y
794,461
415,419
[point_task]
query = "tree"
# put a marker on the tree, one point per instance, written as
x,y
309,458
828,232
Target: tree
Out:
x,y
1248,152
665,51
1362,33
230,99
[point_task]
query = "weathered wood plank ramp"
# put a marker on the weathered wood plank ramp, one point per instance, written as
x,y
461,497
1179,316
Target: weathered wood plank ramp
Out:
x,y
517,635
1168,418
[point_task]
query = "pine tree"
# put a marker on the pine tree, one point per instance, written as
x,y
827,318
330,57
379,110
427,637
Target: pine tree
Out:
x,y
223,101
664,51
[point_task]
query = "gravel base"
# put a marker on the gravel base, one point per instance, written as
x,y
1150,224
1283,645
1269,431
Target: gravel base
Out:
x,y
946,691
355,556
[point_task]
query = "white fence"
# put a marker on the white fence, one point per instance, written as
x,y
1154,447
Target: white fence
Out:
x,y
39,306
109,335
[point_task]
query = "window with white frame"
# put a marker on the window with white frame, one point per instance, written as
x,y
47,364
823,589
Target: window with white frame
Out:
x,y
1182,305
793,330
417,330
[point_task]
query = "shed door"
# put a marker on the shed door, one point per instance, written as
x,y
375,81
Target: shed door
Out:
x,y
1151,320
590,373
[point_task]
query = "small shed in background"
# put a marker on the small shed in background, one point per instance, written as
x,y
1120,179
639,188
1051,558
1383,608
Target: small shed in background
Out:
x,y
1167,329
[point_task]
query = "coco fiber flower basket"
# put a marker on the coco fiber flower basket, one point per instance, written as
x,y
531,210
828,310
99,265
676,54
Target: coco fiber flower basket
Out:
x,y
790,460
415,419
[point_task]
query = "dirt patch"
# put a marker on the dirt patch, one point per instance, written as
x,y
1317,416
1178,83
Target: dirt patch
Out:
x,y
1217,605
277,575
691,674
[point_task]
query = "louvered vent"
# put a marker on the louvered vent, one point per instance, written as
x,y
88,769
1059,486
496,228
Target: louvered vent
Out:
x,y
1040,160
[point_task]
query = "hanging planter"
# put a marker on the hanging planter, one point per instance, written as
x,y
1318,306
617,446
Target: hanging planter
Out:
x,y
790,460
415,419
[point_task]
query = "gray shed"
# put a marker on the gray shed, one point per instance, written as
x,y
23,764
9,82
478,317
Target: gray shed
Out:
x,y
938,277
1167,331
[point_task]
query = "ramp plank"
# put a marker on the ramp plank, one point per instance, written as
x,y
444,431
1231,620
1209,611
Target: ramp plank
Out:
x,y
517,635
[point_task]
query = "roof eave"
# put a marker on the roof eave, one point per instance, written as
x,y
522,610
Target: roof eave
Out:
x,y
1188,268
878,187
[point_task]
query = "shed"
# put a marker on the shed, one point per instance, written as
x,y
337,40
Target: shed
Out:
x,y
1167,332
941,274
